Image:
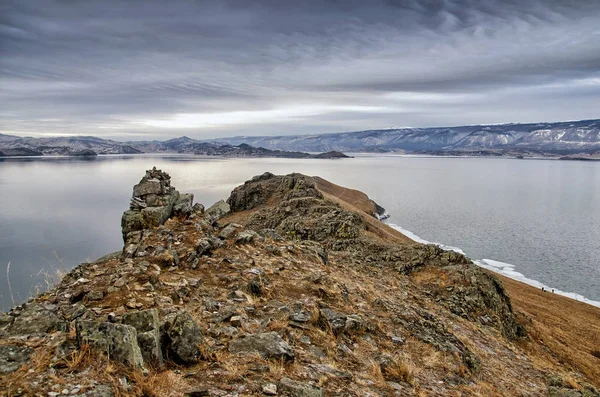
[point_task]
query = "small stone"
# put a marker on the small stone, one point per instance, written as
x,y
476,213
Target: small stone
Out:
x,y
299,389
53,394
236,321
120,282
198,392
270,389
65,392
95,295
397,340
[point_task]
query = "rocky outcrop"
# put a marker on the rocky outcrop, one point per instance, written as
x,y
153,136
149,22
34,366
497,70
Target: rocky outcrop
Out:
x,y
182,338
154,201
34,319
147,327
299,389
118,341
217,211
285,289
12,357
268,345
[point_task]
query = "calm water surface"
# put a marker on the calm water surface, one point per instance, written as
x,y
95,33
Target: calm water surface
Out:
x,y
542,216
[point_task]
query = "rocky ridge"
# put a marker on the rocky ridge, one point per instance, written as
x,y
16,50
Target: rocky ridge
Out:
x,y
283,289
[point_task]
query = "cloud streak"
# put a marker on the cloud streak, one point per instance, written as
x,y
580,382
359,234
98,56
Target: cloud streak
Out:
x,y
207,69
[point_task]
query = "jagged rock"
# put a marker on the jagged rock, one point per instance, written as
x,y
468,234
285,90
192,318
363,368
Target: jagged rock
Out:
x,y
268,345
299,389
475,294
329,370
12,357
229,230
217,211
427,328
182,335
260,188
333,320
270,389
95,295
155,216
118,341
354,323
270,233
203,246
300,317
35,319
154,201
247,236
148,186
183,206
147,327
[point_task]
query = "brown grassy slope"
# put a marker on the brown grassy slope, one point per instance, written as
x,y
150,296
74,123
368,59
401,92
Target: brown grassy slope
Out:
x,y
354,200
569,329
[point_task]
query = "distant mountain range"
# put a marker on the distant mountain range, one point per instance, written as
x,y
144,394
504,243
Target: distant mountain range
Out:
x,y
571,138
91,146
558,138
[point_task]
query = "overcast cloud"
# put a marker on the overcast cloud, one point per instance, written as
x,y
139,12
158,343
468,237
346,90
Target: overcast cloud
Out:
x,y
158,69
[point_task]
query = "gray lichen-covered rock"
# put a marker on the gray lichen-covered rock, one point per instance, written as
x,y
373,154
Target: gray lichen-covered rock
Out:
x,y
230,230
148,336
182,336
247,236
217,211
12,357
154,201
155,216
332,320
299,389
268,345
183,206
118,341
35,319
203,246
471,292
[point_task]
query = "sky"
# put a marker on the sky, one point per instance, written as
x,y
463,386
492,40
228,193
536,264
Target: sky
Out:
x,y
132,69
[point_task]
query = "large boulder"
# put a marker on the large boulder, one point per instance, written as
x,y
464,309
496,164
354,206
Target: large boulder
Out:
x,y
147,327
217,211
184,204
118,341
12,357
182,338
35,319
268,345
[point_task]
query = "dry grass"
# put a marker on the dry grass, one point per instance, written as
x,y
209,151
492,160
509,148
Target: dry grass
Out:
x,y
81,358
375,373
563,331
400,371
167,384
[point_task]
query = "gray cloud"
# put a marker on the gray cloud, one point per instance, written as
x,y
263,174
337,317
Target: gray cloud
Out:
x,y
130,69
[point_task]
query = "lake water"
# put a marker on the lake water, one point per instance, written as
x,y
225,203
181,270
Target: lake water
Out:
x,y
540,218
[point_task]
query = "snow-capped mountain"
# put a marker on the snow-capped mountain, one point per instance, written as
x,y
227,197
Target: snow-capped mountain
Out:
x,y
571,136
